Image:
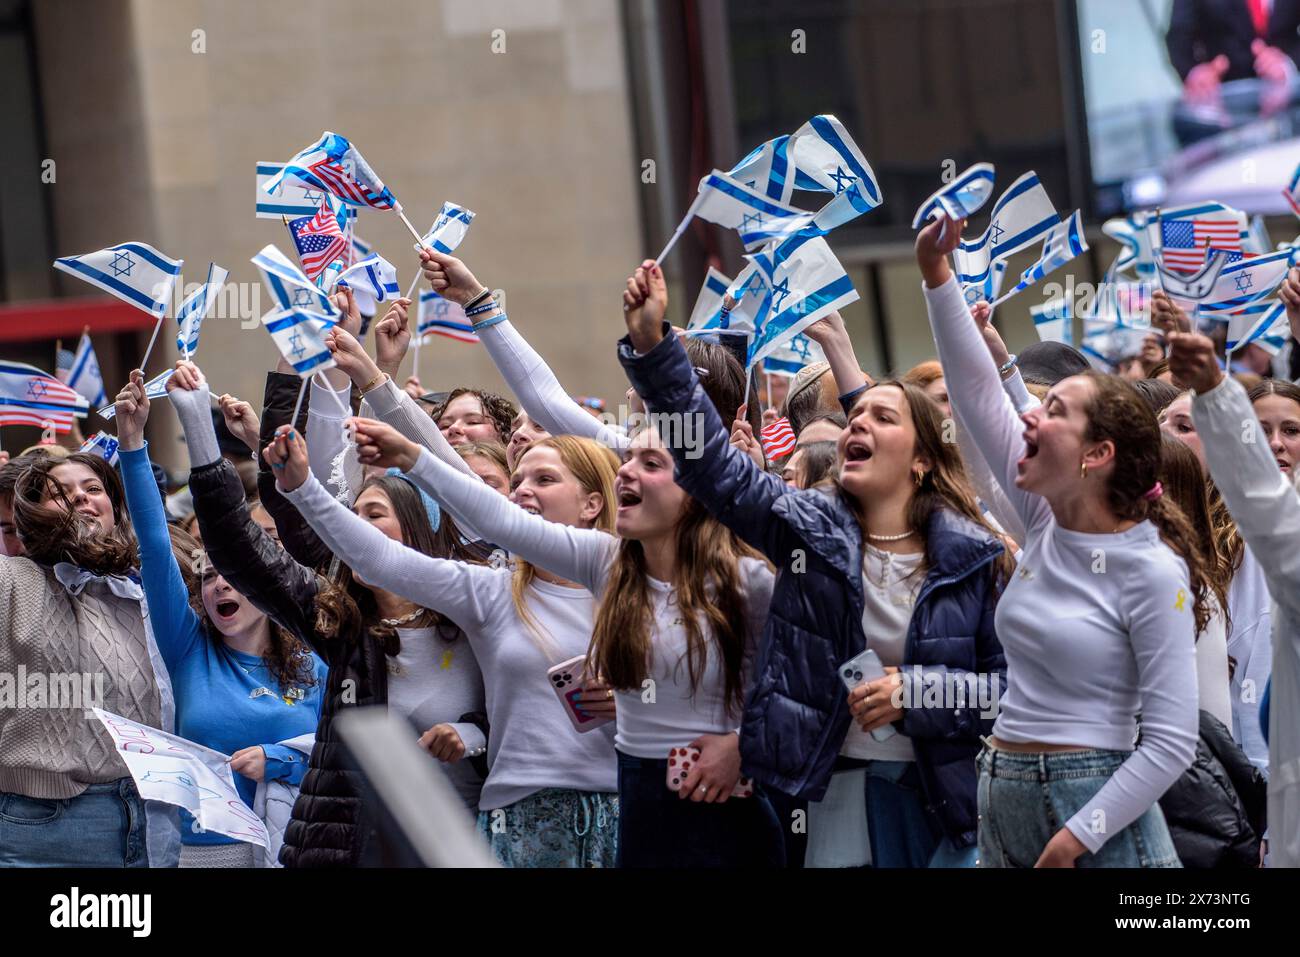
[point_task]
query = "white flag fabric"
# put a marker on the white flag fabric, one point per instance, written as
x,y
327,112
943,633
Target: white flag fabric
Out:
x,y
292,197
961,198
373,279
987,289
155,388
804,282
759,220
442,317
448,229
1132,234
300,337
176,771
1064,242
103,445
790,357
195,309
289,285
1053,321
823,150
1245,282
84,375
133,272
708,304
1022,215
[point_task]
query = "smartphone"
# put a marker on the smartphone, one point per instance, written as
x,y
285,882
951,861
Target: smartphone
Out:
x,y
566,678
865,667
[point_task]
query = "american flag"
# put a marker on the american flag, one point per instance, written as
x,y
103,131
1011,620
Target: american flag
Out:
x,y
29,396
319,240
1184,241
778,439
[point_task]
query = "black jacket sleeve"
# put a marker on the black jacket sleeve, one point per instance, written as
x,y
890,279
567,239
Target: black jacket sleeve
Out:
x,y
296,535
249,559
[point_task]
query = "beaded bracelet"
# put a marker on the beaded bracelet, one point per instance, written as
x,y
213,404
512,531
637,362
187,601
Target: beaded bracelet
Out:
x,y
1004,370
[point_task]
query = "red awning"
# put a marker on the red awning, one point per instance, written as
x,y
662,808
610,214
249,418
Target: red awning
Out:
x,y
65,318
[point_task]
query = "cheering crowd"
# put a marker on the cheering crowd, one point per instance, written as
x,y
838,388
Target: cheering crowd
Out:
x,y
996,611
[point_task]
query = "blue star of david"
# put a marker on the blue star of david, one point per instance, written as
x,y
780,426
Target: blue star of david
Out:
x,y
842,179
972,294
755,218
92,369
36,389
121,264
441,308
1244,282
313,196
752,184
800,345
995,232
780,291
301,297
295,340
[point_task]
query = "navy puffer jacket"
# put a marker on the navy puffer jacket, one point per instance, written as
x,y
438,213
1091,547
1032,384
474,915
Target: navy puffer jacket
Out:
x,y
796,711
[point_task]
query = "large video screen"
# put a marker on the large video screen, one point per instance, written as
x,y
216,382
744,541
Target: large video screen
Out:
x,y
1190,100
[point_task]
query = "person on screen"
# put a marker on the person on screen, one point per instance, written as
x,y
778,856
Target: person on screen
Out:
x,y
1213,41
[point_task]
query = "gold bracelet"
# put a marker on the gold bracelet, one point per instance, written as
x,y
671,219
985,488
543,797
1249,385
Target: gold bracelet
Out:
x,y
377,380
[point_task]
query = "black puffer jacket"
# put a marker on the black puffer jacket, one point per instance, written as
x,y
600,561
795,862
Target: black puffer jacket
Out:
x,y
1216,810
330,827
296,535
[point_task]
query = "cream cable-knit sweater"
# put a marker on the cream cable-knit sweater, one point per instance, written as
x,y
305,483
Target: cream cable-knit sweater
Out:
x,y
50,637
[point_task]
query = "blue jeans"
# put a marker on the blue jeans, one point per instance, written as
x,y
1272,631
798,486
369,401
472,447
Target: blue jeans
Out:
x,y
901,831
554,827
1024,799
104,826
656,828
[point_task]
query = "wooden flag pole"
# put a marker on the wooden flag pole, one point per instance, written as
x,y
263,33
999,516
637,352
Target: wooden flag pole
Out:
x,y
419,240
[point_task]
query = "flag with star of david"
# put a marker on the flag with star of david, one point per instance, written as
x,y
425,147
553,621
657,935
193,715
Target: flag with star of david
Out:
x,y
372,281
155,388
1022,215
730,203
708,304
334,165
133,272
1242,284
959,199
1063,243
437,316
448,229
300,336
804,282
1054,320
80,370
789,358
29,396
750,303
289,287
292,197
190,316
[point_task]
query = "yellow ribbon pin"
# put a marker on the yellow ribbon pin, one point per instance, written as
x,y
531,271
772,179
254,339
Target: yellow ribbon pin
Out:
x,y
446,660
1178,602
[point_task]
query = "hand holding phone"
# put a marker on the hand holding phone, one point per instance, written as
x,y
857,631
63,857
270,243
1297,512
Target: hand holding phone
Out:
x,y
568,678
860,669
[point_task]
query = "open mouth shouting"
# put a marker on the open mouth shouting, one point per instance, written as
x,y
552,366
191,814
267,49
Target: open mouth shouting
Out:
x,y
227,609
1031,449
856,452
628,499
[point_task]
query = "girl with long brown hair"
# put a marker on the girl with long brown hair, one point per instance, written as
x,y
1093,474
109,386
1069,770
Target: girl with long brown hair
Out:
x,y
680,605
549,799
893,557
1099,620
242,684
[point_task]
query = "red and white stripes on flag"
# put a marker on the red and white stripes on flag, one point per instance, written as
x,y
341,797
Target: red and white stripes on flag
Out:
x,y
29,396
1185,240
319,241
778,439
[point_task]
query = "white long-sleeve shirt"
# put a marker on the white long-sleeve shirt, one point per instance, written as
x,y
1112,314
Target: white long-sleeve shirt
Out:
x,y
532,744
1097,629
664,713
540,392
1267,511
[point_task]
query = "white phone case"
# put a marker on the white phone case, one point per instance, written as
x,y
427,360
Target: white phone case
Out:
x,y
865,667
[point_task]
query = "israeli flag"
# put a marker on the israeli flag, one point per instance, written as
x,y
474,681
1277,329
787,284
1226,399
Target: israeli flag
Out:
x,y
289,286
1053,321
291,196
1274,333
84,375
372,281
986,289
155,388
334,165
300,337
804,282
1256,240
767,169
442,317
708,304
448,229
134,272
195,309
1292,192
1063,243
964,196
1022,215
789,358
824,153
103,445
732,204
1132,235
1259,321
1199,285
1248,282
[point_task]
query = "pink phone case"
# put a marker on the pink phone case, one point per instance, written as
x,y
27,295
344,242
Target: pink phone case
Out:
x,y
681,760
566,679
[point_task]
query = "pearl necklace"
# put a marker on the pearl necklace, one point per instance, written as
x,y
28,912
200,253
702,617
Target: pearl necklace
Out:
x,y
890,538
398,622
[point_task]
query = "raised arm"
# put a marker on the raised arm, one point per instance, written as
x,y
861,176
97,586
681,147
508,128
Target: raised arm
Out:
x,y
722,477
295,534
526,372
456,589
175,626
582,555
974,386
247,557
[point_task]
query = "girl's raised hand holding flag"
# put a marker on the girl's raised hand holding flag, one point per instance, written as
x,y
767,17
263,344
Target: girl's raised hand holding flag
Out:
x,y
449,277
132,412
287,455
645,303
934,244
392,337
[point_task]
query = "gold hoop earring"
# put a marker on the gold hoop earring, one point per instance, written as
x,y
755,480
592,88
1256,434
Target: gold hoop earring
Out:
x,y
1083,470
919,477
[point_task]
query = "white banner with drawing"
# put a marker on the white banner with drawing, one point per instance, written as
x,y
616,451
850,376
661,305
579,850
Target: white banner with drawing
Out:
x,y
176,771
